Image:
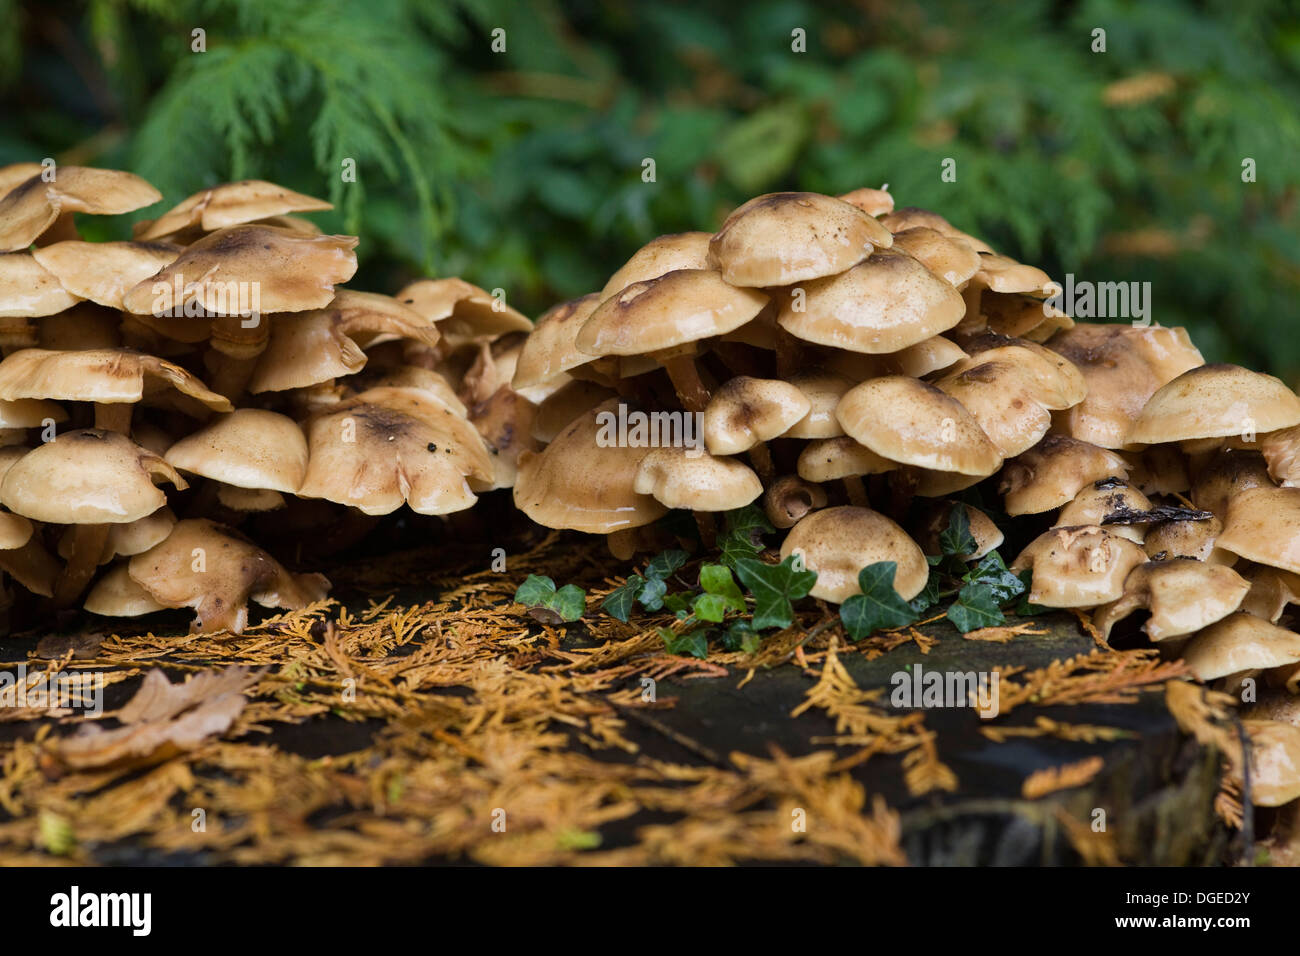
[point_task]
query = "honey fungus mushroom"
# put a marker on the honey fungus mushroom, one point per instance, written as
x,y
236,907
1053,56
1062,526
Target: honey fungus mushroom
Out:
x,y
1214,401
746,412
251,449
839,542
32,209
1274,762
216,571
1078,567
1182,594
1240,643
659,256
229,204
463,313
1053,472
694,480
104,272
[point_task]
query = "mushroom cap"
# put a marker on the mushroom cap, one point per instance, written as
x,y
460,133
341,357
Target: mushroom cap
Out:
x,y
1123,366
685,478
914,423
463,312
231,204
1058,383
823,390
104,272
505,422
830,459
1263,525
1225,476
1004,274
939,484
14,175
839,542
1274,762
1182,594
551,348
933,521
415,377
1003,400
249,499
874,202
126,539
1240,642
583,481
931,355
1051,473
249,448
565,405
31,207
676,309
1271,590
29,413
116,595
311,347
288,271
746,411
1213,401
782,238
1078,567
1158,470
951,259
28,289
883,304
105,376
233,571
392,446
910,217
15,531
1019,315
1281,450
1187,539
87,476
1097,501
682,250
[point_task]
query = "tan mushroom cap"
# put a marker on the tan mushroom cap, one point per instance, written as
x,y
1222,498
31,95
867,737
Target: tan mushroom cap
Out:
x,y
830,459
940,484
105,376
1214,401
951,259
1188,539
311,347
931,355
249,448
1100,500
1263,525
463,312
1240,642
1053,472
104,272
87,476
914,423
415,377
1004,274
1058,383
392,446
1003,400
883,304
29,413
288,272
1183,596
1271,590
551,349
505,422
15,174
1281,450
745,411
31,207
15,531
676,309
127,539
782,238
1274,762
234,571
910,217
789,498
249,500
874,202
839,542
555,413
934,518
1078,567
28,289
823,390
116,595
583,481
682,250
1225,476
685,478
1124,366
1023,316
231,204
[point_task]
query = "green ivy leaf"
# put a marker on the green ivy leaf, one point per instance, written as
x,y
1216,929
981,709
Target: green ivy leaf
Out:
x,y
977,606
956,539
620,601
1025,608
929,595
743,537
740,636
991,571
680,604
878,606
694,642
547,604
664,564
716,580
774,587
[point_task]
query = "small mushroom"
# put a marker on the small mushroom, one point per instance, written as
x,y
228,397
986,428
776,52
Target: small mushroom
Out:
x,y
787,499
839,542
934,518
1053,472
33,207
1240,642
1271,590
823,390
103,272
686,478
874,202
230,204
682,250
1078,567
1263,525
115,594
1004,402
910,217
1190,538
952,260
250,448
1103,499
463,313
1182,595
747,412
29,290
551,349
1274,762
1225,476
1022,316
842,459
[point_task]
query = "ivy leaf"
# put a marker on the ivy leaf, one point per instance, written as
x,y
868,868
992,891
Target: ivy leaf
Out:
x,y
743,535
977,606
774,587
694,642
620,601
664,564
1025,608
991,571
652,594
929,595
680,604
740,636
956,539
878,606
548,605
716,580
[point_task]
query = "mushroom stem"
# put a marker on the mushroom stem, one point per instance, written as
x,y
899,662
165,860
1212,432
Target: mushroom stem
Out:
x,y
971,295
88,542
707,527
789,498
691,391
229,375
902,488
789,354
739,360
856,491
114,417
761,458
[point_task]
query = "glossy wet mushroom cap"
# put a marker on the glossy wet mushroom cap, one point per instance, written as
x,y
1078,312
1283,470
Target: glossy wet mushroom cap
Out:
x,y
1107,499
1263,525
746,411
1183,596
1078,567
249,448
31,207
104,272
659,256
1215,401
551,349
1053,472
28,289
1240,642
839,542
1274,762
686,478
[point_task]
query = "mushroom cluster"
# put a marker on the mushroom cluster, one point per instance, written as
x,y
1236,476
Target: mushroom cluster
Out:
x,y
851,366
219,354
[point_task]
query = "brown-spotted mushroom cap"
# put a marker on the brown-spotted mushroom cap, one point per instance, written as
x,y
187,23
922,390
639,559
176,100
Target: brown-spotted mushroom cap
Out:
x,y
874,202
1004,274
1003,400
1116,500
1182,595
914,423
883,304
1214,401
746,411
1078,567
30,208
1058,384
1050,474
28,289
1124,366
1188,538
231,204
288,272
1263,525
1240,642
839,542
1023,316
584,479
313,347
87,476
463,312
950,259
682,250
104,272
1274,762
1271,590
831,459
217,571
249,448
782,238
1226,475
391,446
551,349
686,478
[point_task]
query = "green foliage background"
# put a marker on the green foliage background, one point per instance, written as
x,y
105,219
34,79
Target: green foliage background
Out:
x,y
522,169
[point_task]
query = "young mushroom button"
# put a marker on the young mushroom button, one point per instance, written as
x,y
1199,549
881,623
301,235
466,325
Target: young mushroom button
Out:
x,y
839,542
